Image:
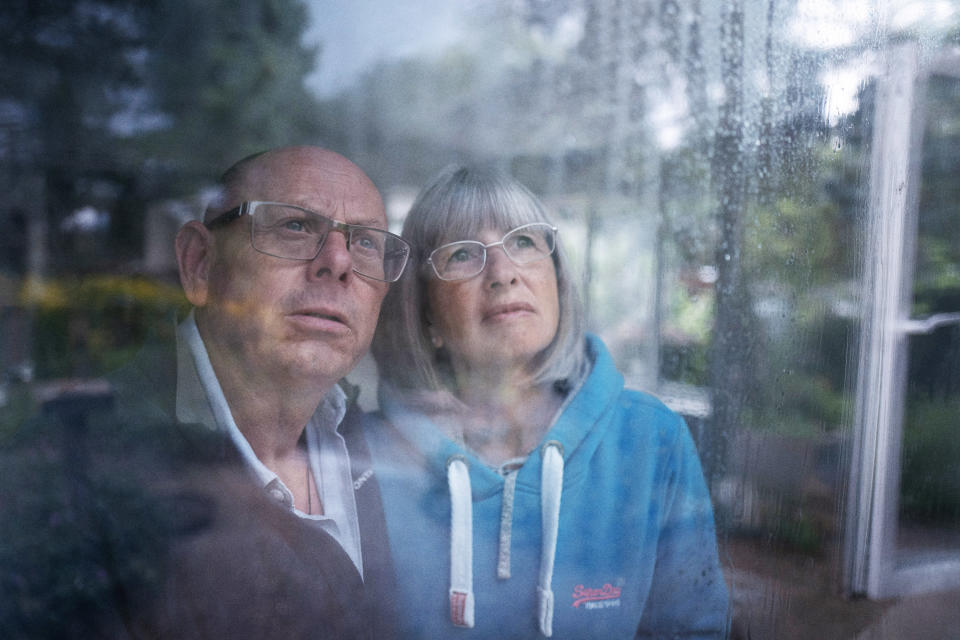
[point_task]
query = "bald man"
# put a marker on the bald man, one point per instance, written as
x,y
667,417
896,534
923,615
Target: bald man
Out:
x,y
231,494
286,274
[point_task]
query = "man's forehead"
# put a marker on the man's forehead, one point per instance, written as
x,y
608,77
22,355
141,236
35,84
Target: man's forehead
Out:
x,y
324,182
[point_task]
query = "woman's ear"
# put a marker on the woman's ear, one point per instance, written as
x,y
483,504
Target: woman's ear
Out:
x,y
194,246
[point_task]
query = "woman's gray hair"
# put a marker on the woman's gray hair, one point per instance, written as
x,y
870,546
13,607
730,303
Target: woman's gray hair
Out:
x,y
458,204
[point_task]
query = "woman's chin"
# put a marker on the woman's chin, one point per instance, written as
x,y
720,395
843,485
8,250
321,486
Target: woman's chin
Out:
x,y
506,359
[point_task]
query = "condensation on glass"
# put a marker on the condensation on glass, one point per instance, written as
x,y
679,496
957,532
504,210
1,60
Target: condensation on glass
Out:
x,y
761,197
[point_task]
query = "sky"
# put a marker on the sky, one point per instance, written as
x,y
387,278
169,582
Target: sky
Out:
x,y
354,34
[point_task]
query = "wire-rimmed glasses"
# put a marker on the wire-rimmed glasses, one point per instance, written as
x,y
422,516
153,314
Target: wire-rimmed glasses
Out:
x,y
467,258
294,233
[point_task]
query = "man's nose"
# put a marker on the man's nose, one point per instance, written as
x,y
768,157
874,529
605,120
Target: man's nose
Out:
x,y
334,257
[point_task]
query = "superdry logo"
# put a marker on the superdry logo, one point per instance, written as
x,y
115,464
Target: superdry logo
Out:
x,y
603,598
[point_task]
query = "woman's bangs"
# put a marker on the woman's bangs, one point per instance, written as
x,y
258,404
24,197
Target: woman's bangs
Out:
x,y
474,211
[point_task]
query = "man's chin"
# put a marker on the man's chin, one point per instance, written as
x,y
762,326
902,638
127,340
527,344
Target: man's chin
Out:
x,y
323,364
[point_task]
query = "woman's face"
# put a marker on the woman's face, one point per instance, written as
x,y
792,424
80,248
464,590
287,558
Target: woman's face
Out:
x,y
502,317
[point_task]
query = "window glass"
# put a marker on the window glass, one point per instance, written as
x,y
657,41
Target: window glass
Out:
x,y
710,165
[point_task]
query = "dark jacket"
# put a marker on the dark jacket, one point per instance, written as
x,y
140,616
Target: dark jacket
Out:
x,y
118,521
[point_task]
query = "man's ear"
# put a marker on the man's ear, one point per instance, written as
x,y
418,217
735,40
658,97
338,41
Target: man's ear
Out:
x,y
195,253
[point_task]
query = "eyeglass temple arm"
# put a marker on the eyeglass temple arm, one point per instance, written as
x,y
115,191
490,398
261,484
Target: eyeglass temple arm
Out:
x,y
225,217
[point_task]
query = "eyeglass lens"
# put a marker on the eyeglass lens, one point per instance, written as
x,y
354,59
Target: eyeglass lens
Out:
x,y
290,232
465,259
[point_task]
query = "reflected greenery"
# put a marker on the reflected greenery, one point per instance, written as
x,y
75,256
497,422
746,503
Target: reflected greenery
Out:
x,y
89,326
715,206
930,478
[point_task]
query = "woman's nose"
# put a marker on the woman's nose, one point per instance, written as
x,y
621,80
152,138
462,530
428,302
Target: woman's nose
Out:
x,y
500,269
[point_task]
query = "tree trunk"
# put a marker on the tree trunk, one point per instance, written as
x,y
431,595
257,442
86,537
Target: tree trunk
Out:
x,y
729,366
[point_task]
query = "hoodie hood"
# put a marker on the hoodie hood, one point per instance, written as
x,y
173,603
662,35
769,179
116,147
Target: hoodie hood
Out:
x,y
545,471
578,429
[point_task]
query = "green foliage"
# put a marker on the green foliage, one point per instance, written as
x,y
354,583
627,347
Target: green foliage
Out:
x,y
18,406
798,533
228,78
930,476
800,262
685,337
803,404
68,69
69,65
88,326
115,104
686,363
794,240
937,274
80,531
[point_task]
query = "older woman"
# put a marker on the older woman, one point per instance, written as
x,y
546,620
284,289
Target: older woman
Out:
x,y
526,491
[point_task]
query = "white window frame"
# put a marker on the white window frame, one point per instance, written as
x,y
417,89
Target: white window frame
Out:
x,y
870,543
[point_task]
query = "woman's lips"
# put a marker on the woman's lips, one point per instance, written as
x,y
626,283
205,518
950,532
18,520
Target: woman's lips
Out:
x,y
507,311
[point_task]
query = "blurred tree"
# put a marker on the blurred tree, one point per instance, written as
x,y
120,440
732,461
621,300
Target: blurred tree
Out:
x,y
731,350
64,69
223,80
121,102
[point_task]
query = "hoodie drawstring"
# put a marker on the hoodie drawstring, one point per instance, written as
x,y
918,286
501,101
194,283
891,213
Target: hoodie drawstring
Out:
x,y
461,534
508,470
461,542
551,489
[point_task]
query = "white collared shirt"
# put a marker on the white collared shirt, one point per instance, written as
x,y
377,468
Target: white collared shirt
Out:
x,y
200,399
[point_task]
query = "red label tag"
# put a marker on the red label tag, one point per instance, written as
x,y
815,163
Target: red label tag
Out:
x,y
458,602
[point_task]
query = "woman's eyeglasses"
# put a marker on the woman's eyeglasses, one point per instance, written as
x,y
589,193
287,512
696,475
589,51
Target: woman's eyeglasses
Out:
x,y
467,258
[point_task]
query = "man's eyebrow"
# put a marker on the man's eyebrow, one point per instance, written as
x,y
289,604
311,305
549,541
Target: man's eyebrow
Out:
x,y
324,211
368,222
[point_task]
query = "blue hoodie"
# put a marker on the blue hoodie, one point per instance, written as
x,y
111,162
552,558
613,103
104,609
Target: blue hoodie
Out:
x,y
606,532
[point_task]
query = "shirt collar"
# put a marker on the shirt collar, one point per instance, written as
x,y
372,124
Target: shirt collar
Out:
x,y
200,399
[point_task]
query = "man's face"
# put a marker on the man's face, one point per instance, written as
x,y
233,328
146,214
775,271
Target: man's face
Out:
x,y
283,319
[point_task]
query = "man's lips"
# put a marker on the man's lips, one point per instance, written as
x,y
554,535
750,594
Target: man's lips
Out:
x,y
322,319
508,310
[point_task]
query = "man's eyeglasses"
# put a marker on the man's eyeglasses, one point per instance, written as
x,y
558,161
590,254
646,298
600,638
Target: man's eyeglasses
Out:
x,y
294,233
467,258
